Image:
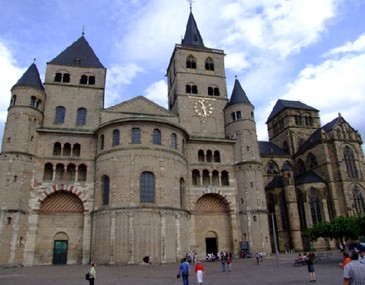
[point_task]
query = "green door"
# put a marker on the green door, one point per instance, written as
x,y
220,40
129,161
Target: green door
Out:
x,y
60,252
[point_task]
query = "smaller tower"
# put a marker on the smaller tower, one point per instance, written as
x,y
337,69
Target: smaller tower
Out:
x,y
241,126
17,159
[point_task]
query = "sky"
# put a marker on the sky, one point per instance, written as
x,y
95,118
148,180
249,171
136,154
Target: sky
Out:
x,y
307,50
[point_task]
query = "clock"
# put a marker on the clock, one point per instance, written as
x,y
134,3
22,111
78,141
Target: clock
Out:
x,y
203,108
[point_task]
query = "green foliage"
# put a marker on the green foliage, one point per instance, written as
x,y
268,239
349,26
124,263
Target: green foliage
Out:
x,y
339,228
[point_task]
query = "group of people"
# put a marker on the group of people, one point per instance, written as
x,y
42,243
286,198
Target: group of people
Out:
x,y
353,266
184,271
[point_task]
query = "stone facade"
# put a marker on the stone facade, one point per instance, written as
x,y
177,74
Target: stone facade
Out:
x,y
82,182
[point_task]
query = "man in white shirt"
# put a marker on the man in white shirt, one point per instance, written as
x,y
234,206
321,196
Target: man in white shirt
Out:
x,y
354,271
361,249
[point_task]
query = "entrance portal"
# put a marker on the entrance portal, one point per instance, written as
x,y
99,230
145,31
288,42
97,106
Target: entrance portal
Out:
x,y
211,245
60,252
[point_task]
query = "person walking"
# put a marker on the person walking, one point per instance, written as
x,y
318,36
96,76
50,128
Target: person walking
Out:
x,y
199,270
354,271
92,273
310,264
184,271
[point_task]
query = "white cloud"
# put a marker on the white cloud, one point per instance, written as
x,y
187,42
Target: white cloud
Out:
x,y
356,46
335,85
156,92
117,78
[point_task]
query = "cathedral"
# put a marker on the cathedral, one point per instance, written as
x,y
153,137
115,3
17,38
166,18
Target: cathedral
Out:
x,y
81,182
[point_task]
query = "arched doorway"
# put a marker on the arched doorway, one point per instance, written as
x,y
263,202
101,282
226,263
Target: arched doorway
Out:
x,y
60,229
212,224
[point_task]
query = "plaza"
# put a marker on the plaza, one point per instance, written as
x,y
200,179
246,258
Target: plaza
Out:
x,y
244,271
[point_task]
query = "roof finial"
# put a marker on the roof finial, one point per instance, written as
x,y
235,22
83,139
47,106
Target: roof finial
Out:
x,y
34,60
83,30
191,4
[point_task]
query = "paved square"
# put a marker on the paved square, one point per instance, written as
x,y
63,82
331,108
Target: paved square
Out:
x,y
244,271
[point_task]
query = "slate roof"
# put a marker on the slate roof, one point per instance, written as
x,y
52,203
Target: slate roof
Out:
x,y
192,34
308,177
238,95
78,54
268,148
31,78
276,182
285,104
315,137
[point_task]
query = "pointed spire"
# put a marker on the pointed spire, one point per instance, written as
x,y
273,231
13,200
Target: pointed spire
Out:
x,y
31,78
238,95
78,54
192,34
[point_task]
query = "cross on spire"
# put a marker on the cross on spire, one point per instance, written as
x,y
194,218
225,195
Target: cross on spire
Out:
x,y
191,4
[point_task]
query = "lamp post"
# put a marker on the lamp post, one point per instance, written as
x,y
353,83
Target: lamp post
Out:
x,y
275,240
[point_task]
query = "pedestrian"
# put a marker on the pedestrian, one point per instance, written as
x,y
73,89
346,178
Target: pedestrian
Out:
x,y
361,249
346,259
310,264
184,271
229,263
199,270
257,258
92,273
223,262
354,271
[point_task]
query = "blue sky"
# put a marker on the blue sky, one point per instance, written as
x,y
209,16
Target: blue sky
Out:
x,y
307,50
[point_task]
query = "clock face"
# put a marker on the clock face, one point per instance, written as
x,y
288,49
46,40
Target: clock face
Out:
x,y
203,108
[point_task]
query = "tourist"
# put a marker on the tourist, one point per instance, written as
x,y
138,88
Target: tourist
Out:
x,y
92,274
310,264
354,271
199,270
184,271
346,259
361,249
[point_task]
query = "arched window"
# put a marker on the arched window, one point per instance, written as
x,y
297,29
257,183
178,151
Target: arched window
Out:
x,y
201,156
216,91
13,100
209,64
209,157
147,187
66,77
83,79
215,178
60,115
272,168
66,149
311,161
105,189
350,163
173,142
182,193
76,150
315,206
194,89
239,115
58,77
82,172
136,136
191,62
156,136
81,117
217,156
225,178
70,172
358,200
188,89
48,172
233,115
60,172
91,80
33,101
210,91
57,148
116,137
195,176
300,169
206,178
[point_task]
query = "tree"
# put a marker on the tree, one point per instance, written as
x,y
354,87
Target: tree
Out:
x,y
342,228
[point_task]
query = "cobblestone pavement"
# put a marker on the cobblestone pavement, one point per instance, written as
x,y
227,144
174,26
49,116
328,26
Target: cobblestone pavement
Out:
x,y
244,271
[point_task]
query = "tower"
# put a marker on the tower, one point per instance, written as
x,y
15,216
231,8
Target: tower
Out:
x,y
196,84
18,156
251,200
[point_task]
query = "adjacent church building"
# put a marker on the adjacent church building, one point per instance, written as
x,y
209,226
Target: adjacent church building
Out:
x,y
80,182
